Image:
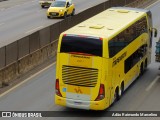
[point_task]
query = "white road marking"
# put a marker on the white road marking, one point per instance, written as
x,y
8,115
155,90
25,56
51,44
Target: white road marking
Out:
x,y
152,83
33,30
152,4
1,95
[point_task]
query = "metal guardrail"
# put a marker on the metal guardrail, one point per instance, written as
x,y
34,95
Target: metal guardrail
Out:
x,y
30,51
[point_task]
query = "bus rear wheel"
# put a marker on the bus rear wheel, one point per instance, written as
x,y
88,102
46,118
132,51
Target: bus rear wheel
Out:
x,y
116,95
146,63
141,69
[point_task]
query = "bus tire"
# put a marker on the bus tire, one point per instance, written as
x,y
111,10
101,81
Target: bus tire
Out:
x,y
141,69
146,63
116,95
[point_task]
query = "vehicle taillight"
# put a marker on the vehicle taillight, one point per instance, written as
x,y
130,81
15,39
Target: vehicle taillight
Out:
x,y
57,88
101,93
101,38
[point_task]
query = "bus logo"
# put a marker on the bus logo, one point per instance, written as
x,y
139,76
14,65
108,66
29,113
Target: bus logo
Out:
x,y
119,59
78,90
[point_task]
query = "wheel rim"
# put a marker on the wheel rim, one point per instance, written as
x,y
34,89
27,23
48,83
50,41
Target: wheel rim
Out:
x,y
120,92
122,89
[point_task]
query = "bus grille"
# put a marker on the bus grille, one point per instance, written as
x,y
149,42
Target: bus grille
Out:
x,y
79,76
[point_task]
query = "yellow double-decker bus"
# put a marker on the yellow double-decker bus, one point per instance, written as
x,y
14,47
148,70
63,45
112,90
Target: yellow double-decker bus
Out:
x,y
99,58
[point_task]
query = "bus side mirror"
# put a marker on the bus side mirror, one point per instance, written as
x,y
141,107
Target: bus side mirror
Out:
x,y
155,32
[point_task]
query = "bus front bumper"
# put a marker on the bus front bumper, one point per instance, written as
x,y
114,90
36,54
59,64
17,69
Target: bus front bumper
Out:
x,y
87,105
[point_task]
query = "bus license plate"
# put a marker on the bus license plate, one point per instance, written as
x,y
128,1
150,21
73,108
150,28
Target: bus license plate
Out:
x,y
78,103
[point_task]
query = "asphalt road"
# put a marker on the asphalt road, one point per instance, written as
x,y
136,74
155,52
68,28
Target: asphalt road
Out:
x,y
37,93
19,19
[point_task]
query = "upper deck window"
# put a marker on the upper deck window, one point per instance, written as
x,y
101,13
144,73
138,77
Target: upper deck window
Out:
x,y
124,38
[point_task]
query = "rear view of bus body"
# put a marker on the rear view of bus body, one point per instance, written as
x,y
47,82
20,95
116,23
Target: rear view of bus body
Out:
x,y
100,57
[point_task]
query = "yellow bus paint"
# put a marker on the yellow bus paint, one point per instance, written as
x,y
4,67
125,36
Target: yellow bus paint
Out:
x,y
100,57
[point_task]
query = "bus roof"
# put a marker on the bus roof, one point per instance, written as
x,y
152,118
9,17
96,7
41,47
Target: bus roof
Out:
x,y
108,23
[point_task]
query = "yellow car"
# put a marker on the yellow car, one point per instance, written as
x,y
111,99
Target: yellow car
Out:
x,y
61,8
45,3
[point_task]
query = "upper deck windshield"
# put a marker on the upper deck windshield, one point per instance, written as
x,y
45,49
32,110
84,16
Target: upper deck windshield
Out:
x,y
58,4
83,45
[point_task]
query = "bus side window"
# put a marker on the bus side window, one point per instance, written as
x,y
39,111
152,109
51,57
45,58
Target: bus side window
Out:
x,y
134,58
142,51
141,26
129,34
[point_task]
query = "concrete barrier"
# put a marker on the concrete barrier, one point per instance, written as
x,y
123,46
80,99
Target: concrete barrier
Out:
x,y
2,57
11,53
34,42
21,56
45,36
23,47
34,58
1,77
44,54
10,73
24,64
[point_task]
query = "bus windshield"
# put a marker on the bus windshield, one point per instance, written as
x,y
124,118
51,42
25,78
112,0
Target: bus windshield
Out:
x,y
84,45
